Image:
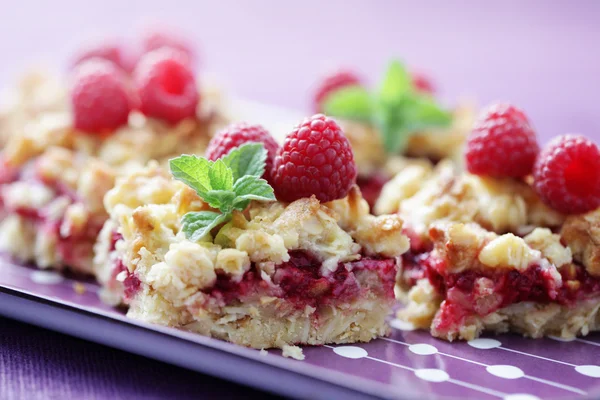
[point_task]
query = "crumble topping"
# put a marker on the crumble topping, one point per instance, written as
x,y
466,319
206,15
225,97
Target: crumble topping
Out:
x,y
149,205
294,352
54,209
549,244
582,234
37,96
500,205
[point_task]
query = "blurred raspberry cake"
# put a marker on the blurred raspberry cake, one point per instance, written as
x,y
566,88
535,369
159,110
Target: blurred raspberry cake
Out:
x,y
396,125
510,245
62,154
250,268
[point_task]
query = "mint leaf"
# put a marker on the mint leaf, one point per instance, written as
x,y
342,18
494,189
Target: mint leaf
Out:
x,y
390,123
352,102
229,183
251,188
193,171
196,225
248,159
396,84
221,176
220,199
421,112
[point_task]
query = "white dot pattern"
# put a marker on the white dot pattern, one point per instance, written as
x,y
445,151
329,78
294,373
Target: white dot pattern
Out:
x,y
432,374
484,343
520,396
46,277
423,349
560,339
592,371
350,352
505,371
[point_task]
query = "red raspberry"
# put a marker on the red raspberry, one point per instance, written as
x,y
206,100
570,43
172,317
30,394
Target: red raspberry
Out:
x,y
100,96
315,159
333,82
157,39
566,175
238,134
110,51
422,83
502,143
166,86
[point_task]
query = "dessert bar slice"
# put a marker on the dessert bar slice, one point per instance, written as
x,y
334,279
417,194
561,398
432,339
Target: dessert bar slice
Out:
x,y
221,256
54,173
490,254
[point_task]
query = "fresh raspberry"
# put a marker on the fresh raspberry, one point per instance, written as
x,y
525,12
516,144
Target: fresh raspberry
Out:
x,y
160,38
502,143
110,51
100,96
566,175
422,82
333,82
238,134
166,86
315,159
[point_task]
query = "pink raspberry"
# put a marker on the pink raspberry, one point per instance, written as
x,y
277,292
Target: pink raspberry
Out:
x,y
502,143
109,50
166,86
315,159
566,175
238,134
333,82
100,97
422,82
161,38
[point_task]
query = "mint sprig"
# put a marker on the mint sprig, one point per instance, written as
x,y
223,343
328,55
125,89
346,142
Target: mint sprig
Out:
x,y
397,109
227,184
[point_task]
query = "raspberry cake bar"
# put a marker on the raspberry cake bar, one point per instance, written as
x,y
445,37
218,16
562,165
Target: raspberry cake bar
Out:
x,y
310,267
60,160
399,125
511,245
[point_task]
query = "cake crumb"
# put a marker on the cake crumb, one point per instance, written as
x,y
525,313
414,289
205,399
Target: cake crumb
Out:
x,y
79,288
294,352
263,352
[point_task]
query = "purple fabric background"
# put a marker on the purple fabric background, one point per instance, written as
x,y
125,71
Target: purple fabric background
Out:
x,y
540,55
40,364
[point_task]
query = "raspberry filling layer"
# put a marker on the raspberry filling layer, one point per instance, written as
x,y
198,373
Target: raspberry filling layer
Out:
x,y
298,281
370,187
484,291
74,249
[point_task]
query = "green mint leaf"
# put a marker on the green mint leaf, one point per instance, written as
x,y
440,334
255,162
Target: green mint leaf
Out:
x,y
352,102
251,188
193,171
390,122
196,225
396,84
422,112
226,184
221,176
220,199
248,159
